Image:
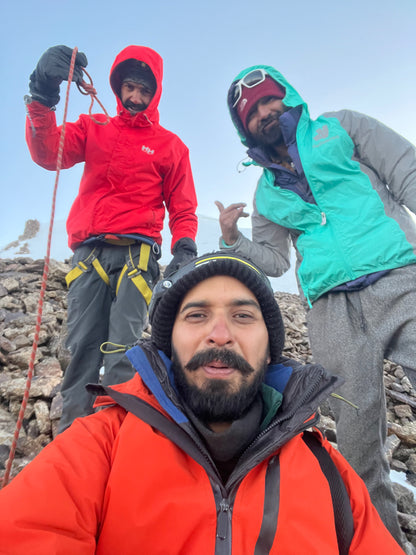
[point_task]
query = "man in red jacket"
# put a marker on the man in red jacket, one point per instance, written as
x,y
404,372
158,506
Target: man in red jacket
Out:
x,y
208,449
134,169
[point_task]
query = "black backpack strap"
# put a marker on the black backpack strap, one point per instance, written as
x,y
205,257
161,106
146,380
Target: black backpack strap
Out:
x,y
153,417
344,523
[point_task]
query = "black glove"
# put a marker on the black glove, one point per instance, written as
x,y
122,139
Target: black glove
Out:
x,y
52,69
183,250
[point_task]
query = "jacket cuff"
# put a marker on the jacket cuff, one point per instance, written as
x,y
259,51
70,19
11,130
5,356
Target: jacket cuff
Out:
x,y
223,244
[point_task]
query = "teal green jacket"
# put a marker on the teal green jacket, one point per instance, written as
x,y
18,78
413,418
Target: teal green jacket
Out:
x,y
361,175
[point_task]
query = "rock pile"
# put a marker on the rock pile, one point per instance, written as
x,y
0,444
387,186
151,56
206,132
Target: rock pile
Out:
x,y
20,281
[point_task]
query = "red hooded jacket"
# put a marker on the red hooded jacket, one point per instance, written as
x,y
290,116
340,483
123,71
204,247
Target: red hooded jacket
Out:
x,y
133,166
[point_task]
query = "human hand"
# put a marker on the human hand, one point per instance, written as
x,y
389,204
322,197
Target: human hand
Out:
x,y
228,220
53,68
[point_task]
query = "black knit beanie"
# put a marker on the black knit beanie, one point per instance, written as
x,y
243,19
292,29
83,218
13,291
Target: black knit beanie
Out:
x,y
168,294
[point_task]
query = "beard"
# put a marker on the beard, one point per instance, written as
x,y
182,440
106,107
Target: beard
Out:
x,y
216,401
268,132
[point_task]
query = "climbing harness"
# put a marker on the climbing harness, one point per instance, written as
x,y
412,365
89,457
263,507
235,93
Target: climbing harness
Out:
x,y
130,270
89,89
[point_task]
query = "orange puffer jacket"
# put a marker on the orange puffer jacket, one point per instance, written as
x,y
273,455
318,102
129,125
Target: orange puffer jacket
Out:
x,y
114,484
133,167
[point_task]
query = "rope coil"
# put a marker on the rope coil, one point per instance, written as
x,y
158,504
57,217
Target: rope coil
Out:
x,y
88,89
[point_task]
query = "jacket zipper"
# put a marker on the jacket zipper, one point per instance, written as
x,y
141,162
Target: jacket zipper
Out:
x,y
224,520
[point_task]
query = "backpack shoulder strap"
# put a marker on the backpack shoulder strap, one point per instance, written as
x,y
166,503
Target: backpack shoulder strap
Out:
x,y
344,523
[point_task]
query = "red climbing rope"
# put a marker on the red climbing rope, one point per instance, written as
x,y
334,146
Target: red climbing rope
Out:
x,y
88,89
91,91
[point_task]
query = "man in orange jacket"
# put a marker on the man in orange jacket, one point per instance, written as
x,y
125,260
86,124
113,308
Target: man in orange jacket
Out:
x,y
134,170
206,450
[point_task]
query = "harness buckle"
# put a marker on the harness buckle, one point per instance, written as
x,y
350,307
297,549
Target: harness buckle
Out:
x,y
133,273
84,267
132,270
87,264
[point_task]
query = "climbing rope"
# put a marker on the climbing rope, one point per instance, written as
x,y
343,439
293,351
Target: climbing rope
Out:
x,y
89,89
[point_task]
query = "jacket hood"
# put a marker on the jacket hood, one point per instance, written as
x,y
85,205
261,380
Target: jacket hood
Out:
x,y
291,99
155,63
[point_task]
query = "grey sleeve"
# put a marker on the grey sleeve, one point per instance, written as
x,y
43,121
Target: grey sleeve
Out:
x,y
269,248
390,155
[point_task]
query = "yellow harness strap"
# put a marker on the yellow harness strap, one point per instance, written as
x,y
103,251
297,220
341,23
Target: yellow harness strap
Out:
x,y
134,272
75,272
82,267
100,271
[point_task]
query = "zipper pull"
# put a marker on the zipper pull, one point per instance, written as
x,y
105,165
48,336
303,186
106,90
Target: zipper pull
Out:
x,y
323,220
224,519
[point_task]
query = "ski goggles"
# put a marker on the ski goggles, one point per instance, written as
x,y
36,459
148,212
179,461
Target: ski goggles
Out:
x,y
250,80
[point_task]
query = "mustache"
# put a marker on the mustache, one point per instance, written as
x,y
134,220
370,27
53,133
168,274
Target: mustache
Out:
x,y
227,357
131,105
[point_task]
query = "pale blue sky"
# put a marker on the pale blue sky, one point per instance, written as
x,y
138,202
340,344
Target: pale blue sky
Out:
x,y
338,54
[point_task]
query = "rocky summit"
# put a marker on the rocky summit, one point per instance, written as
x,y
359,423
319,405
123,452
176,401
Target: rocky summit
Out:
x,y
20,285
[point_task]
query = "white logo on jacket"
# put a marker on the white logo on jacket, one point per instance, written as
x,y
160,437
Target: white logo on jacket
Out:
x,y
147,150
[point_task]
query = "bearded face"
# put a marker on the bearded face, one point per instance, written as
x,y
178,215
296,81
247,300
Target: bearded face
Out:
x,y
218,399
220,349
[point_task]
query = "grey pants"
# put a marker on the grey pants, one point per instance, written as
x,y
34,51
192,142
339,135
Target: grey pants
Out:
x,y
351,334
96,315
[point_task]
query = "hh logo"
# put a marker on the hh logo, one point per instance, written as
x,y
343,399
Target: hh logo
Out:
x,y
147,150
321,133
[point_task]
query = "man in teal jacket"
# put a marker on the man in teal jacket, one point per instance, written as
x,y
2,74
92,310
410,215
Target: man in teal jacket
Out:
x,y
338,189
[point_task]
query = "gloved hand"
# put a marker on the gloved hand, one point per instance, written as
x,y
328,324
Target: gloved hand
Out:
x,y
183,250
52,69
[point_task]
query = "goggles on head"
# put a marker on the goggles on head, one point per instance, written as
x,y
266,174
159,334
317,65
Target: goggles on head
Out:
x,y
250,80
